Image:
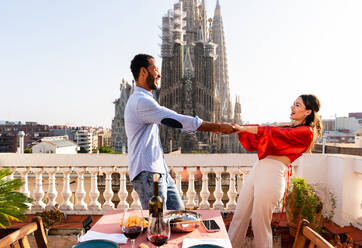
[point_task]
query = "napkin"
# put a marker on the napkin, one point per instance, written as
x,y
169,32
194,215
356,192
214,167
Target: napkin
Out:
x,y
118,238
224,243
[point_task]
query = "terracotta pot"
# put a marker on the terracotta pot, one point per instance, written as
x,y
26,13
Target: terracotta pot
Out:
x,y
293,225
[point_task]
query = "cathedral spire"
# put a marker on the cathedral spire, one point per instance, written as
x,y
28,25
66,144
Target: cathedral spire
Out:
x,y
204,19
188,67
237,111
221,75
200,34
217,11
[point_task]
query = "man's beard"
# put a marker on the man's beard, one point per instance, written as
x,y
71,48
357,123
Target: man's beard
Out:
x,y
150,80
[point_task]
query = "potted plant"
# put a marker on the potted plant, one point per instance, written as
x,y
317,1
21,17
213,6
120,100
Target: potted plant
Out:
x,y
12,204
51,217
304,203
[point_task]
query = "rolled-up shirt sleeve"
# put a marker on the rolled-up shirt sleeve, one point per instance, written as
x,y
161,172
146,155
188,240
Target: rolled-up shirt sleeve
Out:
x,y
151,112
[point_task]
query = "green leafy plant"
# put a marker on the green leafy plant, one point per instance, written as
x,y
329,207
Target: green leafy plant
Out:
x,y
28,150
12,204
304,203
82,150
51,217
105,149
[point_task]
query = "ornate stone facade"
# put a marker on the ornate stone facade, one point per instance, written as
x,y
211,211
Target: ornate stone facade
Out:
x,y
195,77
119,138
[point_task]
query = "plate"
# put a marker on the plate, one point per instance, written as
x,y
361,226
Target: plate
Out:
x,y
96,244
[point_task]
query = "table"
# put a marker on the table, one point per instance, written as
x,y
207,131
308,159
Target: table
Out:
x,y
109,223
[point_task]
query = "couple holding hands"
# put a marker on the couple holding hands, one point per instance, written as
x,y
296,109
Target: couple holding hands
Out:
x,y
276,146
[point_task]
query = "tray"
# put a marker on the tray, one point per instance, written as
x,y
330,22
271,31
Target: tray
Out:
x,y
183,215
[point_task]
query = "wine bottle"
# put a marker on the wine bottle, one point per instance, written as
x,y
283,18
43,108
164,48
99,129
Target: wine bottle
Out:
x,y
155,203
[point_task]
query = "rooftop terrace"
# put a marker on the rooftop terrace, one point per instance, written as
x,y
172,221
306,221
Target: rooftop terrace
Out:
x,y
89,184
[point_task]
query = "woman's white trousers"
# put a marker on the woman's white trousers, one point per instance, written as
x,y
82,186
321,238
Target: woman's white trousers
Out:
x,y
259,195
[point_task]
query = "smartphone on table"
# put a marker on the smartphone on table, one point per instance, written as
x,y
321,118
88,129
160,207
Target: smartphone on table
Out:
x,y
211,225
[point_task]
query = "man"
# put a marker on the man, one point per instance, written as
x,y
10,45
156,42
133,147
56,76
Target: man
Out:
x,y
142,116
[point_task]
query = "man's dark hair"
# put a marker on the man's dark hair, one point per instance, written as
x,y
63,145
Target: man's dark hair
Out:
x,y
140,60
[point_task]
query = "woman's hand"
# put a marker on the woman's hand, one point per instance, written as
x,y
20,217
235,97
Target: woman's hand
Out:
x,y
238,128
249,129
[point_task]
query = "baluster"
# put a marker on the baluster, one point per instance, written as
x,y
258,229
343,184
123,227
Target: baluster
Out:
x,y
94,194
179,171
232,193
38,204
205,193
191,193
66,205
52,191
136,204
218,204
108,192
122,193
80,193
240,179
24,175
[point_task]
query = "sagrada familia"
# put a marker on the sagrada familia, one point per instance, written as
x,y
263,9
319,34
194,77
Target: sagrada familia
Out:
x,y
194,80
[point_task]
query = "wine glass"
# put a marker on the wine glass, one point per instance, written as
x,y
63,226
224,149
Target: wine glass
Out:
x,y
132,224
158,231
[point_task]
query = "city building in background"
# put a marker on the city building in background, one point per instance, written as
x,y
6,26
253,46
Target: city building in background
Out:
x,y
90,138
343,129
342,135
9,140
62,130
356,115
195,77
348,124
56,145
103,137
84,139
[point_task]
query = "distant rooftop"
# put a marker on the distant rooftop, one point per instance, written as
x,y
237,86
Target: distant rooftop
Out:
x,y
59,141
62,143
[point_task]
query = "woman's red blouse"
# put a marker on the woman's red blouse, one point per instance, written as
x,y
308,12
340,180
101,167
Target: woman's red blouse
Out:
x,y
278,141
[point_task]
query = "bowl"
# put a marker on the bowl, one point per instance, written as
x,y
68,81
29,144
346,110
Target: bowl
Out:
x,y
183,216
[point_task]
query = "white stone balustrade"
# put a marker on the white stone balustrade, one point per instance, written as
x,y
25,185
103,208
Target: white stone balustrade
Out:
x,y
24,176
38,194
94,192
191,193
66,205
205,193
52,191
80,193
136,204
178,171
232,193
218,193
122,193
341,174
108,192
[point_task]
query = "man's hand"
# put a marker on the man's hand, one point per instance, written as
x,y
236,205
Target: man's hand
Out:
x,y
225,128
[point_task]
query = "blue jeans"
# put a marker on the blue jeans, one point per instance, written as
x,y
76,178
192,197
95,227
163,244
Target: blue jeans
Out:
x,y
143,184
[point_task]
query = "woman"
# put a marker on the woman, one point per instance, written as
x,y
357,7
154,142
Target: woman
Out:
x,y
277,148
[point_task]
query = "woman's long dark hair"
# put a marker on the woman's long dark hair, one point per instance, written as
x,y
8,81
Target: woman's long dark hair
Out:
x,y
313,120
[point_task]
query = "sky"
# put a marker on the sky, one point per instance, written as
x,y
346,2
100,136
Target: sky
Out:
x,y
62,62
